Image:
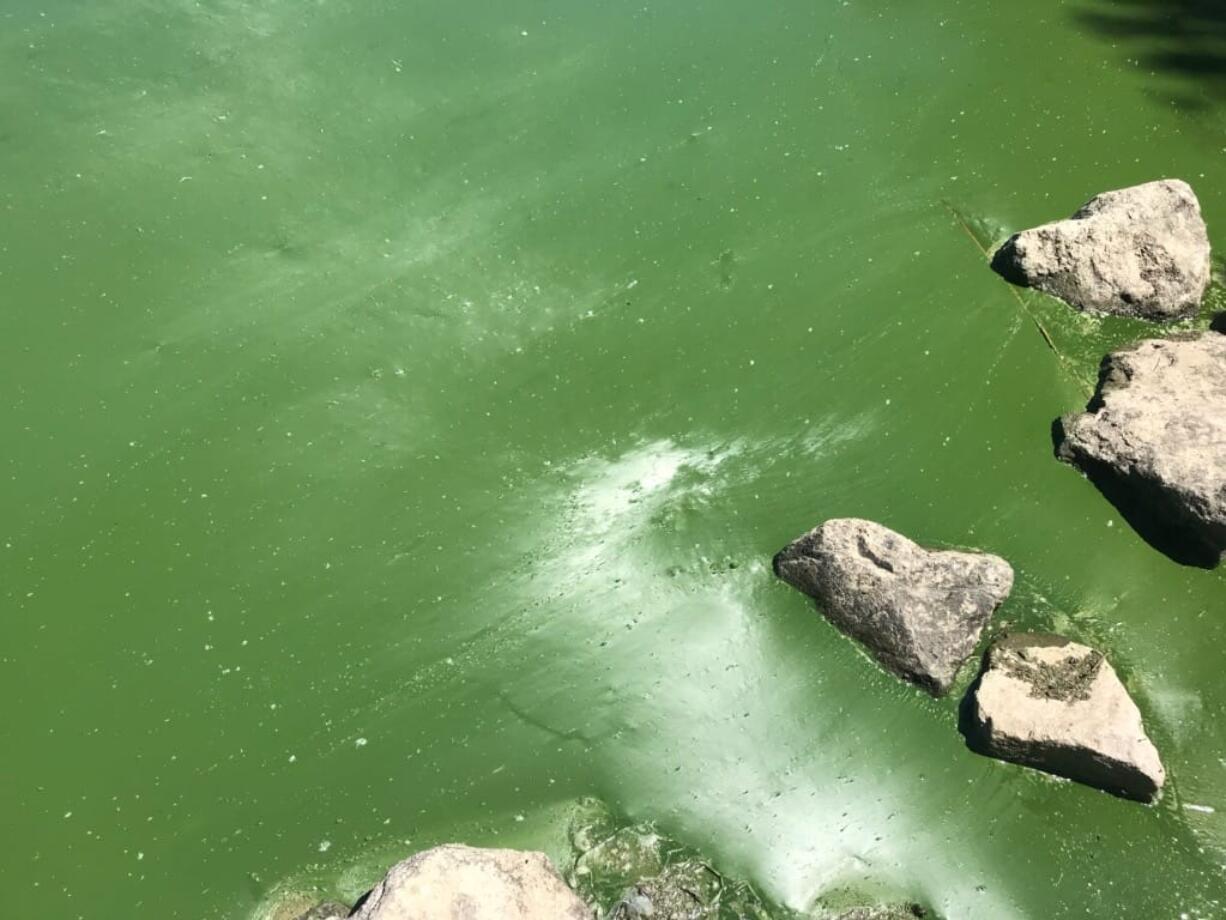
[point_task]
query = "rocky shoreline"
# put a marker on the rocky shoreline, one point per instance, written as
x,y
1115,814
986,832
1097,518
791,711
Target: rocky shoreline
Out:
x,y
616,871
1152,438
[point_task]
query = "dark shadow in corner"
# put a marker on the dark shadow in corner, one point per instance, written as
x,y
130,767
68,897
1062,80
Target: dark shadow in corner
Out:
x,y
1006,263
1183,38
360,902
968,727
1145,506
1219,323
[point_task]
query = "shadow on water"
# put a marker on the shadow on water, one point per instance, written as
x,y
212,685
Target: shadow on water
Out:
x,y
968,725
1182,38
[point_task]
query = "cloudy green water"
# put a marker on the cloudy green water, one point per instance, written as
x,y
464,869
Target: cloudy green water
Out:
x,y
402,403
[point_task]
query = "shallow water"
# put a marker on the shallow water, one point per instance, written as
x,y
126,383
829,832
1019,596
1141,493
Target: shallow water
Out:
x,y
404,402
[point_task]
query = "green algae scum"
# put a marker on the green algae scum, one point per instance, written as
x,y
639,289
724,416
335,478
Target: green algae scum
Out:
x,y
403,402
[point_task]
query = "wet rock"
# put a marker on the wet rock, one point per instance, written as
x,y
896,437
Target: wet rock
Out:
x,y
302,905
477,884
1140,251
1153,438
1058,706
920,612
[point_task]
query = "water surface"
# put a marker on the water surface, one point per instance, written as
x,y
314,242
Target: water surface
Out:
x,y
404,400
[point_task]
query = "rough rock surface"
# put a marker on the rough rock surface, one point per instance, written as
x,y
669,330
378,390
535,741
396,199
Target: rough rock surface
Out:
x,y
1140,251
920,612
454,881
1058,706
1154,435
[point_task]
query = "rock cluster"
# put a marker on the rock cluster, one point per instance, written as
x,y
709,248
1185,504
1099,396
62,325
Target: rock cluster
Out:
x,y
1041,701
1140,251
616,872
1153,435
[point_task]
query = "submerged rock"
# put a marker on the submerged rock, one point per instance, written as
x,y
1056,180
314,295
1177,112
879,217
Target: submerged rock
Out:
x,y
328,910
1140,251
302,905
905,912
1154,439
1058,706
633,872
919,611
477,884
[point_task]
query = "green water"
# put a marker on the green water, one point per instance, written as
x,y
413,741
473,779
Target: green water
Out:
x,y
403,402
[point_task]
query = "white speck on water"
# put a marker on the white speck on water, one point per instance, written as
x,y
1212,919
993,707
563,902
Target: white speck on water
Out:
x,y
140,856
632,285
1110,523
293,758
325,845
361,742
519,818
1203,809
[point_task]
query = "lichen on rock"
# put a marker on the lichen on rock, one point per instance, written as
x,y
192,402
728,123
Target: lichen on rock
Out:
x,y
1056,705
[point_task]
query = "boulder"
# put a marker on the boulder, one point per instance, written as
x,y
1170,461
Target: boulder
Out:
x,y
1058,706
1140,251
1154,439
477,884
918,611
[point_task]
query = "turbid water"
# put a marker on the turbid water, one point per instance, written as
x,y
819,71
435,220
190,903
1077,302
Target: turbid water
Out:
x,y
402,403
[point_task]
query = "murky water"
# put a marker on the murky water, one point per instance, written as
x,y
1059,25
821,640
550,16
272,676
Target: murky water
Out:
x,y
404,400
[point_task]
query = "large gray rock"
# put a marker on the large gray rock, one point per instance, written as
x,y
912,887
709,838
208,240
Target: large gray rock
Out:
x,y
1140,251
1154,438
919,611
1058,706
454,881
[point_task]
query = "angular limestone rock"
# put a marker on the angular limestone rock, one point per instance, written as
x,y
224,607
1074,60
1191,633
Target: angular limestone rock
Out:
x,y
1154,439
920,612
1140,251
1058,706
458,881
